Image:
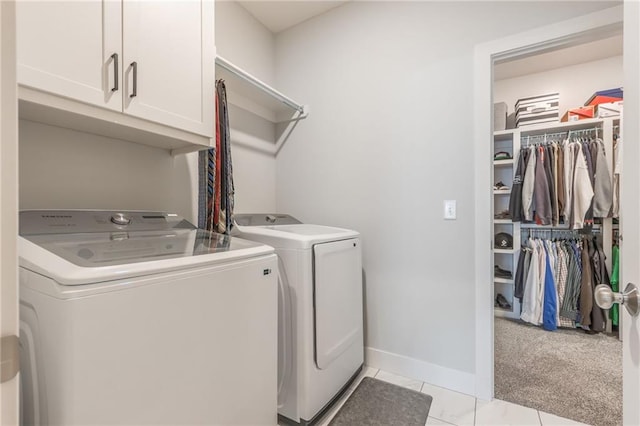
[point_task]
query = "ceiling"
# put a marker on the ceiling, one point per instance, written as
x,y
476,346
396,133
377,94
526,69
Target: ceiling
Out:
x,y
280,15
574,55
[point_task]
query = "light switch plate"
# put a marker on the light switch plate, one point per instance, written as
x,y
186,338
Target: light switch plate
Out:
x,y
450,209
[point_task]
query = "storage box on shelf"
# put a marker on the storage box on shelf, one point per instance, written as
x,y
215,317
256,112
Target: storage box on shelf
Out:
x,y
537,109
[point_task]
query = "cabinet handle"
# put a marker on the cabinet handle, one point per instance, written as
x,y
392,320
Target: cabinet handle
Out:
x,y
134,93
115,72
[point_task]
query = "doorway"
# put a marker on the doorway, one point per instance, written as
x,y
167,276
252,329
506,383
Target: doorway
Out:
x,y
549,99
597,26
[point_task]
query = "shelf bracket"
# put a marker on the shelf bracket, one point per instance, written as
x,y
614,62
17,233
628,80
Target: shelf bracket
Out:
x,y
290,125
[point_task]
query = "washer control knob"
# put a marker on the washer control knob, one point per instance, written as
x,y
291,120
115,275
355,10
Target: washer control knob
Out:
x,y
120,219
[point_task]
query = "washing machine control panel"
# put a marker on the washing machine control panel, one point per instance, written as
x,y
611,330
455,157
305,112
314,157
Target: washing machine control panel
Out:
x,y
34,222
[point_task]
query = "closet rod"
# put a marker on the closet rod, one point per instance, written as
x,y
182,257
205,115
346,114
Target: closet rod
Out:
x,y
566,134
259,84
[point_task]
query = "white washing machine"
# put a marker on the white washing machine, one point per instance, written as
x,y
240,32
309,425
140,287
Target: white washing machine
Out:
x,y
138,318
320,337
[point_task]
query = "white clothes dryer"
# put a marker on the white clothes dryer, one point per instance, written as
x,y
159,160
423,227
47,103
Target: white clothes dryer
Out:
x,y
320,332
138,318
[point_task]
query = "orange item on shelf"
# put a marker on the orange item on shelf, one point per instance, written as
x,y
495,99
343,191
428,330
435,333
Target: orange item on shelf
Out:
x,y
597,100
579,113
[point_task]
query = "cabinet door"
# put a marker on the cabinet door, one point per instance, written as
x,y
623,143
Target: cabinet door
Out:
x,y
66,48
169,57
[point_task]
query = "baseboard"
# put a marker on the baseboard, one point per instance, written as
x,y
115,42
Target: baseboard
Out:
x,y
459,381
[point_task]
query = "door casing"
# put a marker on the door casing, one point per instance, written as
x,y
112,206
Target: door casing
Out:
x,y
578,30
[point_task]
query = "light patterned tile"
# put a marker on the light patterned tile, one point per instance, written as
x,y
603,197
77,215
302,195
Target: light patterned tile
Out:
x,y
324,421
553,420
366,372
435,422
399,380
498,412
449,406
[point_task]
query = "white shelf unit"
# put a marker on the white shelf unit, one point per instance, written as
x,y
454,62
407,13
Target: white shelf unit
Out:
x,y
503,171
251,94
510,141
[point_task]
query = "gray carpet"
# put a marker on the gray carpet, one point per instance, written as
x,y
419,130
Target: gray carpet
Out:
x,y
566,372
378,403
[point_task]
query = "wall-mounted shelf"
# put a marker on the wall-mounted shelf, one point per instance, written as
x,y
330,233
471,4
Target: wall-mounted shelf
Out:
x,y
254,95
251,94
504,251
503,221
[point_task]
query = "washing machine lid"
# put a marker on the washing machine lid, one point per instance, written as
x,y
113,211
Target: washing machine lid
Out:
x,y
81,247
299,236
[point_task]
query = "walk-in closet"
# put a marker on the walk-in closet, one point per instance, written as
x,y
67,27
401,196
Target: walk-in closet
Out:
x,y
556,224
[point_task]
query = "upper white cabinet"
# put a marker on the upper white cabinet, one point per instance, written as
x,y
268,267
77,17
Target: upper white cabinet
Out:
x,y
71,49
169,63
149,60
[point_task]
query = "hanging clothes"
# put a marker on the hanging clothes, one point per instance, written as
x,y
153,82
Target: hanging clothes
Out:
x,y
533,289
599,276
562,183
560,280
614,313
582,191
541,193
528,185
521,273
516,211
603,190
568,171
549,321
617,170
216,188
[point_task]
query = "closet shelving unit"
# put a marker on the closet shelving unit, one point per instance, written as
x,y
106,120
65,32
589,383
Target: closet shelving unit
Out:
x,y
503,170
511,141
251,94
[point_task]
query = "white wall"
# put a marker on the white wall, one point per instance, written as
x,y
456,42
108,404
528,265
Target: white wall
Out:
x,y
388,139
575,84
243,40
61,168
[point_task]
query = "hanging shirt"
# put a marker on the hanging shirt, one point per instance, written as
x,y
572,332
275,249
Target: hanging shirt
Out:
x,y
560,180
582,190
549,166
528,185
563,275
617,170
541,191
586,288
531,298
614,313
588,217
574,277
602,191
515,201
520,276
568,169
550,295
600,276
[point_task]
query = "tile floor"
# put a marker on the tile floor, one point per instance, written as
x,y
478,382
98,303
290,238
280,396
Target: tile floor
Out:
x,y
453,408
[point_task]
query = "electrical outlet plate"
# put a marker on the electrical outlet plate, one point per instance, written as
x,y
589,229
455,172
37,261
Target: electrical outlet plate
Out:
x,y
450,209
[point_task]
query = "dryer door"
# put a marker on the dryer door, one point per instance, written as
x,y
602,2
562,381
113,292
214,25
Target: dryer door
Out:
x,y
337,285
